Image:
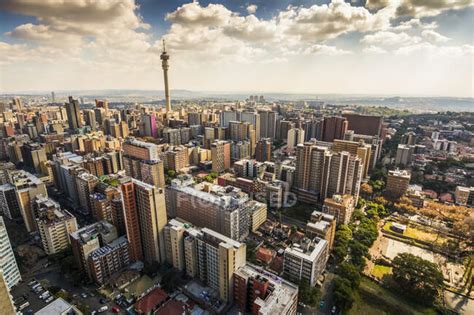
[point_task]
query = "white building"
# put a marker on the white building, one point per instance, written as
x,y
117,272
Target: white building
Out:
x,y
8,265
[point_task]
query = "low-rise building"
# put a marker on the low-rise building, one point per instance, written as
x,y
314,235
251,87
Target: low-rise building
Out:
x,y
341,207
322,225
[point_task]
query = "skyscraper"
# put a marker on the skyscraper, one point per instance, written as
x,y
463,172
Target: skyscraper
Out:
x,y
8,265
263,151
145,218
164,64
334,128
220,151
73,114
267,124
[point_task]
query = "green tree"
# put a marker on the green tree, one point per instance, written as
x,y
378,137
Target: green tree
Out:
x,y
307,294
343,294
349,272
417,278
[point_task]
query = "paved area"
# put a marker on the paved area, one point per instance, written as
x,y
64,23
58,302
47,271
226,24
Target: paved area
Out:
x,y
459,303
393,248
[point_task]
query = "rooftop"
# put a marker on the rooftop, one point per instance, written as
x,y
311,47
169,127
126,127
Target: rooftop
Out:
x,y
58,307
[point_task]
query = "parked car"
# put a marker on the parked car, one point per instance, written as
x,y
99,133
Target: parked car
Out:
x,y
103,309
84,295
50,299
102,301
116,309
32,282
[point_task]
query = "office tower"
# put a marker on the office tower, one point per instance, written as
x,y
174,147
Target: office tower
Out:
x,y
364,124
207,255
312,129
306,260
257,291
362,150
322,225
17,103
145,218
263,150
6,302
108,260
342,175
220,151
89,119
141,161
340,207
334,128
27,187
8,265
33,155
54,224
283,127
295,137
223,209
397,183
227,116
240,150
164,64
148,126
195,119
252,118
85,184
9,205
267,124
89,238
310,161
404,154
73,111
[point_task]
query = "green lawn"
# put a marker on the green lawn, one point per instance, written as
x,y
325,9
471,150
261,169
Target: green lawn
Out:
x,y
379,271
373,299
418,234
300,211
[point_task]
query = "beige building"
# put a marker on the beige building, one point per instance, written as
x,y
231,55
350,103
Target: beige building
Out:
x,y
397,183
54,225
258,214
464,195
341,207
85,184
362,150
220,152
6,302
322,225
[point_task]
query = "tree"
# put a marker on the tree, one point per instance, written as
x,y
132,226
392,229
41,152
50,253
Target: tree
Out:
x,y
349,272
307,294
366,190
417,278
343,294
171,173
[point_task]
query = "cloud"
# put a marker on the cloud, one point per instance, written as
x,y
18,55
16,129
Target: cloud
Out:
x,y
431,50
434,37
374,50
390,39
325,50
252,8
419,8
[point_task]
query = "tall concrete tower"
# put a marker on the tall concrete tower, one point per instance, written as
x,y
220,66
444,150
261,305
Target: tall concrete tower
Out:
x,y
164,64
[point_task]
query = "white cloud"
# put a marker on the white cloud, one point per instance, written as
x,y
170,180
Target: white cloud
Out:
x,y
431,50
252,8
434,37
374,50
325,50
390,39
419,8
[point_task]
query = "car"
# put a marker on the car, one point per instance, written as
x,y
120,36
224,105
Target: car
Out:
x,y
32,282
103,309
115,309
102,301
334,310
84,295
34,286
321,304
48,300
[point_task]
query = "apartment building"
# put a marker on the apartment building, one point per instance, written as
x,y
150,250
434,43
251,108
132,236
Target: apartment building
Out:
x,y
397,183
8,265
322,225
340,207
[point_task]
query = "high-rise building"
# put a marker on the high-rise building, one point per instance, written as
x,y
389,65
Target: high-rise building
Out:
x,y
8,265
54,224
73,111
220,151
164,64
263,150
9,205
145,218
223,209
33,155
207,255
88,239
85,184
108,260
340,207
365,124
306,260
404,154
27,187
257,291
334,128
148,126
227,116
295,137
267,124
252,118
397,183
240,150
362,150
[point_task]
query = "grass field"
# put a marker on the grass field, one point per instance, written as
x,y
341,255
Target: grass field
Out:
x,y
418,234
372,299
379,271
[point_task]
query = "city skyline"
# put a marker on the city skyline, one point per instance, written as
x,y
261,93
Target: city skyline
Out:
x,y
352,47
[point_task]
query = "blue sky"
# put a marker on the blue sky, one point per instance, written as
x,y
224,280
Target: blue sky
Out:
x,y
392,47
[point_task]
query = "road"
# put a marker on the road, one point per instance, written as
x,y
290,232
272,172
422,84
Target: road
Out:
x,y
459,303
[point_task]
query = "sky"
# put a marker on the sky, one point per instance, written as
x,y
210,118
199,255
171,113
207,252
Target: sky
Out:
x,y
379,47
